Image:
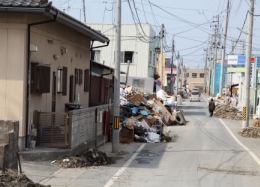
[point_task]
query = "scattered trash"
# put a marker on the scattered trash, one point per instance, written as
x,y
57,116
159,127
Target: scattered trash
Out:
x,y
11,178
90,157
227,112
250,132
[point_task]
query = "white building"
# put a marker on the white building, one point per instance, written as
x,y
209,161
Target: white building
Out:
x,y
137,46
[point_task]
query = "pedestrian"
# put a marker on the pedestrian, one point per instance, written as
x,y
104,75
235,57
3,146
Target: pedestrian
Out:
x,y
211,107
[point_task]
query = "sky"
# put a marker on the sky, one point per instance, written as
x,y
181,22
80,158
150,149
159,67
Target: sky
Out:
x,y
190,23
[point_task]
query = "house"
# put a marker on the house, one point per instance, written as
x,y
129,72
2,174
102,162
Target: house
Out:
x,y
45,62
136,48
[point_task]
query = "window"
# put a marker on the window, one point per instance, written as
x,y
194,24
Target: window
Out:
x,y
126,55
187,75
194,75
95,56
150,57
154,58
201,75
78,76
40,78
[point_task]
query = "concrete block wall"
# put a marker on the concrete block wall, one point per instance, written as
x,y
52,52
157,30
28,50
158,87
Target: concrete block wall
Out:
x,y
9,134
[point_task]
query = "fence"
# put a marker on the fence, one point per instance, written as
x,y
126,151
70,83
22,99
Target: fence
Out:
x,y
52,129
85,125
70,129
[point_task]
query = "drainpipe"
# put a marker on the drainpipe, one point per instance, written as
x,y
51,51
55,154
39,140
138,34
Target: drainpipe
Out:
x,y
90,68
29,73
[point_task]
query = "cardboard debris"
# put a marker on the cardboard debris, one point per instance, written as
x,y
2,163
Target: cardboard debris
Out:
x,y
137,97
169,115
129,89
152,96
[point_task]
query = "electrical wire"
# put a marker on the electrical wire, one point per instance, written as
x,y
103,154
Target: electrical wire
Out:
x,y
239,34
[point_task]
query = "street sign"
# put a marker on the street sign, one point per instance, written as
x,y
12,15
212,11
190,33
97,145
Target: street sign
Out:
x,y
173,79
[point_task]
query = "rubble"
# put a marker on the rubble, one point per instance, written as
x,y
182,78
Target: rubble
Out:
x,y
227,112
90,157
144,118
11,178
256,123
250,132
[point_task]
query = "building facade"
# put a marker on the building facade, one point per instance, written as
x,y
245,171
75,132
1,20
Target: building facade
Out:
x,y
193,78
45,62
138,49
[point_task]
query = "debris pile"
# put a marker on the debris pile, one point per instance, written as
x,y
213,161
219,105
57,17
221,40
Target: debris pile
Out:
x,y
11,178
227,112
144,118
250,132
90,157
256,123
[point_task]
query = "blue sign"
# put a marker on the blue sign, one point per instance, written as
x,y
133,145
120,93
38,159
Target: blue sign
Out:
x,y
241,60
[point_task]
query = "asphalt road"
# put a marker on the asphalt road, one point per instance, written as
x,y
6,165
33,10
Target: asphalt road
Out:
x,y
202,154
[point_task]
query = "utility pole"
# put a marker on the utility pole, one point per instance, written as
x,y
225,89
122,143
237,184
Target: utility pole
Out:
x,y
172,64
162,34
224,50
246,102
177,71
84,10
215,56
116,121
205,70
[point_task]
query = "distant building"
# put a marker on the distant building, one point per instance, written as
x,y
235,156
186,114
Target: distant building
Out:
x,y
138,48
193,78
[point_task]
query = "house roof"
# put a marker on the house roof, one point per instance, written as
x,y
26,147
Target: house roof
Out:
x,y
46,8
105,67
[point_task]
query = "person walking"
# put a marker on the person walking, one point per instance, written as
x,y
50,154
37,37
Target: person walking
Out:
x,y
211,107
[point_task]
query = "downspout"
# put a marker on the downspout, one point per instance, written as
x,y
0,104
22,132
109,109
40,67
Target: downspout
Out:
x,y
90,68
29,73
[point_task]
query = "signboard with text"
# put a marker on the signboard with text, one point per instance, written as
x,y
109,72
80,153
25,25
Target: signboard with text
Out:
x,y
238,60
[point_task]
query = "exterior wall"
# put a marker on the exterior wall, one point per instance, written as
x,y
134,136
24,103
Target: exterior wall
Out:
x,y
130,42
13,68
13,63
194,82
146,87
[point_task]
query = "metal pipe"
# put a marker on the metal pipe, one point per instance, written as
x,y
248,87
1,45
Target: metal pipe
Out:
x,y
29,73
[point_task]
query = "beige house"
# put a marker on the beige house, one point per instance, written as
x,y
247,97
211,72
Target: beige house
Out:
x,y
45,61
193,78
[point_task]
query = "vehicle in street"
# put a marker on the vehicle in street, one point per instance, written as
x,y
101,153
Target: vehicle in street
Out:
x,y
194,96
195,89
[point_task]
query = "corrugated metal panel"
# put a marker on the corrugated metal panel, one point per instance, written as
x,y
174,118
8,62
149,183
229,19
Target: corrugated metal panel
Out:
x,y
129,43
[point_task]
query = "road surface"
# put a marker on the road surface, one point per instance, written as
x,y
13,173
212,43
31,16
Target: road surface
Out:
x,y
202,154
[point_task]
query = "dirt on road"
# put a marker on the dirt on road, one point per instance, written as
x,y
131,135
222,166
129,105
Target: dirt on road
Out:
x,y
90,157
11,178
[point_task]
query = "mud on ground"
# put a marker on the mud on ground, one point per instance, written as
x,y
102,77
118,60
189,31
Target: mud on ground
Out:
x,y
90,157
10,178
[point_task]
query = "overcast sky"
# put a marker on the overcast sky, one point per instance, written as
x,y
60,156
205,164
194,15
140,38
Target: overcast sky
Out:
x,y
190,21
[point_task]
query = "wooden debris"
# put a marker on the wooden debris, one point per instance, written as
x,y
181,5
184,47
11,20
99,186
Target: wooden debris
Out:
x,y
250,132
